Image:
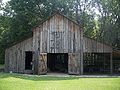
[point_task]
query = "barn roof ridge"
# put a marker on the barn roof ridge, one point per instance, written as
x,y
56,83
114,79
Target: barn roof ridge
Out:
x,y
55,13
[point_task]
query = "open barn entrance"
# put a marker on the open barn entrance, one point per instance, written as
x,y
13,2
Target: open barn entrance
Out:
x,y
28,60
57,62
116,62
96,63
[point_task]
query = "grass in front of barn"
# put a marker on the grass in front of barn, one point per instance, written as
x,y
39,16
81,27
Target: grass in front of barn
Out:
x,y
24,82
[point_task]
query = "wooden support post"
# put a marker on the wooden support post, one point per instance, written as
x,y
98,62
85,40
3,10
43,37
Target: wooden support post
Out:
x,y
111,64
81,64
42,64
74,63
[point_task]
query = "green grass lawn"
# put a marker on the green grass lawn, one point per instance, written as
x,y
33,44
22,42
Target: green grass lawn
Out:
x,y
23,82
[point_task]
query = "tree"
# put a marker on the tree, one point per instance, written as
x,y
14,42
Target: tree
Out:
x,y
109,21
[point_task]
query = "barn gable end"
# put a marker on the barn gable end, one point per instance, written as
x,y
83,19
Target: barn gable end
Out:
x,y
58,35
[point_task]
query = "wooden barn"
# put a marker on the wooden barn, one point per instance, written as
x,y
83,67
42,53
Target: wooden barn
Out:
x,y
58,45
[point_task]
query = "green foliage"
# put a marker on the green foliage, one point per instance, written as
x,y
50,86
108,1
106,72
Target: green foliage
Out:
x,y
109,21
4,28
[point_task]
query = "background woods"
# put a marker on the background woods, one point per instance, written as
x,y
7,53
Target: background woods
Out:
x,y
100,19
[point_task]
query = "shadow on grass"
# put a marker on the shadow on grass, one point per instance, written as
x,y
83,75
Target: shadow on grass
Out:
x,y
35,78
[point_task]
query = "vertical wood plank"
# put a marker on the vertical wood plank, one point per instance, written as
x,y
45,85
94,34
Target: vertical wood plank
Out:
x,y
74,63
42,64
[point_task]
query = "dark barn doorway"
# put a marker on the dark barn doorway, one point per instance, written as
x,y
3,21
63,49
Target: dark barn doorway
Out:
x,y
96,63
116,62
28,60
57,62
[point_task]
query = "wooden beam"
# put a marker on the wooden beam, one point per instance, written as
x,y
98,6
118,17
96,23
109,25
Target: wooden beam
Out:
x,y
111,64
81,64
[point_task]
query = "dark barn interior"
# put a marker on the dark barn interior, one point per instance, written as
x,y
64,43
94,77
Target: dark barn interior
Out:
x,y
96,63
28,60
57,62
116,62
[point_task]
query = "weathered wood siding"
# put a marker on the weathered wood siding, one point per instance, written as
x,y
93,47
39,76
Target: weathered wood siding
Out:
x,y
42,64
74,63
90,45
15,56
58,35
